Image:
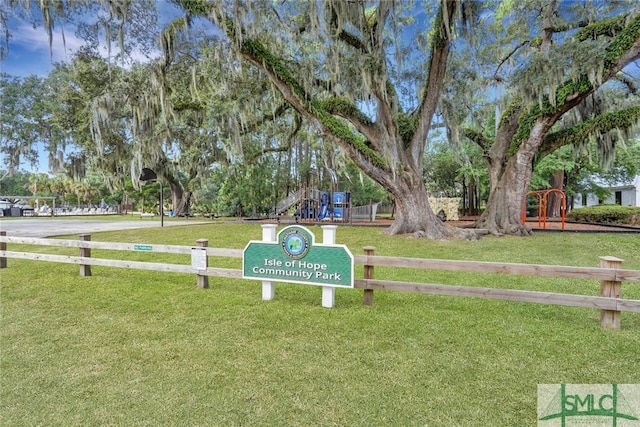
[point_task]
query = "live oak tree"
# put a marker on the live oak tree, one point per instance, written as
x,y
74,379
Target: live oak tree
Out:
x,y
341,68
565,82
22,119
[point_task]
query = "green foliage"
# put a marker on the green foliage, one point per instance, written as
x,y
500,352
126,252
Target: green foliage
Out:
x,y
406,127
248,189
606,214
536,42
362,188
581,85
16,184
570,88
606,27
525,124
514,106
197,7
442,171
545,108
23,119
560,160
323,109
505,7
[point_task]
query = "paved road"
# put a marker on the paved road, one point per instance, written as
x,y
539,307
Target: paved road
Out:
x,y
47,227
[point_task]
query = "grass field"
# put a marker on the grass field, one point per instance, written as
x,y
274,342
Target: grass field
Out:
x,y
140,348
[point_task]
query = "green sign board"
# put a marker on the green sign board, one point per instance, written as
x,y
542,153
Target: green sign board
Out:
x,y
142,247
295,258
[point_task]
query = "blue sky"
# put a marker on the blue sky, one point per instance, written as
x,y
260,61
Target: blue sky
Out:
x,y
29,47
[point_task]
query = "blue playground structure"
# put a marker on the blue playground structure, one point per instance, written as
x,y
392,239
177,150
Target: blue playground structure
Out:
x,y
311,204
323,205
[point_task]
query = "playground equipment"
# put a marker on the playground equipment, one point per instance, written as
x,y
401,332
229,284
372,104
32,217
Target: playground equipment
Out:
x,y
542,206
313,204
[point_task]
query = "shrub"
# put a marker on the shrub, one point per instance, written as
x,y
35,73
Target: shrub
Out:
x,y
606,214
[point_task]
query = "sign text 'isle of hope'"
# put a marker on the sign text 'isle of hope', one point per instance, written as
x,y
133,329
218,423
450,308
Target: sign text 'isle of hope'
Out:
x,y
296,258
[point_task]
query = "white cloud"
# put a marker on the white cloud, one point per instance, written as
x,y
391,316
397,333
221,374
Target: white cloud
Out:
x,y
35,41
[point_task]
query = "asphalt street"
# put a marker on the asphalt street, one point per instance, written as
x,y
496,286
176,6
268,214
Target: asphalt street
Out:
x,y
48,227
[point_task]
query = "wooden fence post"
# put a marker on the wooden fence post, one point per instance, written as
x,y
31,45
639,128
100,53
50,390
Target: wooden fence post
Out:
x,y
610,288
203,281
367,296
3,247
85,269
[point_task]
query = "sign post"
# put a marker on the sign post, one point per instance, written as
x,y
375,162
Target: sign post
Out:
x,y
268,287
328,292
293,256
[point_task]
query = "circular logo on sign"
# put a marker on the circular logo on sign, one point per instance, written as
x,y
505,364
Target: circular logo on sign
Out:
x,y
295,245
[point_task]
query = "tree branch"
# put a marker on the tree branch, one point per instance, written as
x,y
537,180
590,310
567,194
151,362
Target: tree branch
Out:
x,y
623,119
435,78
477,137
629,83
513,52
279,112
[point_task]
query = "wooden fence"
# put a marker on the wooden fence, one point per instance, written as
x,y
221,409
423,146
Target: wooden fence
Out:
x,y
610,274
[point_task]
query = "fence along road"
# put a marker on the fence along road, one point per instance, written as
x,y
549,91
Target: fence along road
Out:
x,y
48,227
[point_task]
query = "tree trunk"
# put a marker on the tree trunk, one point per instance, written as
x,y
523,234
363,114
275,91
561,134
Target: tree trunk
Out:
x,y
415,215
504,207
554,200
471,194
180,199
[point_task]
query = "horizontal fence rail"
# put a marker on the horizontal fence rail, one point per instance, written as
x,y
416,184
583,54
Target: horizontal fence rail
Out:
x,y
499,267
503,294
609,273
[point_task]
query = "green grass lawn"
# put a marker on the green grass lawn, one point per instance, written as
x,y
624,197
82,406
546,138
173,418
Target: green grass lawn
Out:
x,y
137,348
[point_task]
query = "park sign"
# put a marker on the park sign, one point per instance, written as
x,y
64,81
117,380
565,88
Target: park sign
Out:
x,y
295,257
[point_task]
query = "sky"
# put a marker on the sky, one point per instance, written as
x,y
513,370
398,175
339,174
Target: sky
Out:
x,y
29,50
29,47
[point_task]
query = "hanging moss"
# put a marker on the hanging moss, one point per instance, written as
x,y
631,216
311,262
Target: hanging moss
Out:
x,y
322,110
439,36
545,108
188,105
624,119
626,38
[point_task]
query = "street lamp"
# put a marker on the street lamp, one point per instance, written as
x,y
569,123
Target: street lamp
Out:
x,y
148,175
